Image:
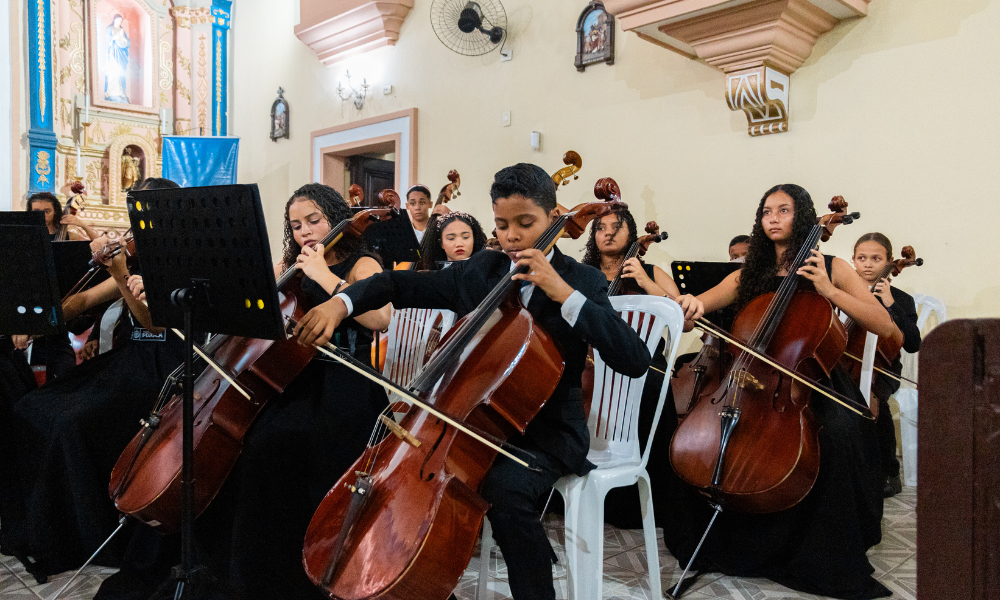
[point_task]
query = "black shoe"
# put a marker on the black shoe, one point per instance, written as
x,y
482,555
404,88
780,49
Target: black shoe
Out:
x,y
893,486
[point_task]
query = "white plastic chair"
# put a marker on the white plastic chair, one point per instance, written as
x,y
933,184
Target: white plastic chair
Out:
x,y
409,331
907,397
614,448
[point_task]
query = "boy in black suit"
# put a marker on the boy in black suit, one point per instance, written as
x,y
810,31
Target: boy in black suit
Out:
x,y
571,304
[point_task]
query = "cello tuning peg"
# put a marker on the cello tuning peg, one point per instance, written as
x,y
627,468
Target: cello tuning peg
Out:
x,y
576,177
855,215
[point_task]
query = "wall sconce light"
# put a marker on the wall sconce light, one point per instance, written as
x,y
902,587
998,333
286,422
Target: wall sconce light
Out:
x,y
351,92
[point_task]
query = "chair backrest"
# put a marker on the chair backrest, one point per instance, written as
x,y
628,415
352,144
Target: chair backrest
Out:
x,y
409,331
926,306
614,412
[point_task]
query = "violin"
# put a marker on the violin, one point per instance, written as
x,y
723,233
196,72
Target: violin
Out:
x,y
243,374
402,522
752,443
887,349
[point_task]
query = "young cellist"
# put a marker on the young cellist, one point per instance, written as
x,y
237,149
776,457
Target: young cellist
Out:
x,y
302,441
70,432
610,238
818,546
872,252
569,301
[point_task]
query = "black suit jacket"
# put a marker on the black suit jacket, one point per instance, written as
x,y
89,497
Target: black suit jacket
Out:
x,y
560,429
904,313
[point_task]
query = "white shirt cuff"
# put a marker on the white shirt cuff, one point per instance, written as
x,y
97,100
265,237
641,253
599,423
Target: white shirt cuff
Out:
x,y
347,301
572,306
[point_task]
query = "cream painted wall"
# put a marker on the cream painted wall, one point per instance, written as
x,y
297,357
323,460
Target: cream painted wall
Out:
x,y
892,111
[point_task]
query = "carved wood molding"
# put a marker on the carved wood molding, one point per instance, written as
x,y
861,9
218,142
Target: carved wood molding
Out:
x,y
336,30
757,43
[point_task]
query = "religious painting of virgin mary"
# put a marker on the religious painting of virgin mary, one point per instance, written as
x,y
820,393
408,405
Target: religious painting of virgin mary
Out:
x,y
117,44
122,54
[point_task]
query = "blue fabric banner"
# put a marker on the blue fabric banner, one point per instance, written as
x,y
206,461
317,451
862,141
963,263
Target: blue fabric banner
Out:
x,y
198,161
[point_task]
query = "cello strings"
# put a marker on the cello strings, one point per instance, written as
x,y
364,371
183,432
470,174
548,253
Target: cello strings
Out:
x,y
765,326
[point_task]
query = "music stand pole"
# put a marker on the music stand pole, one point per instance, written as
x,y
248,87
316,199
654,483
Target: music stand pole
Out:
x,y
188,299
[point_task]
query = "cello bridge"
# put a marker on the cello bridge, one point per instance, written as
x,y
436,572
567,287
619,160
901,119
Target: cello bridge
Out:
x,y
747,381
398,431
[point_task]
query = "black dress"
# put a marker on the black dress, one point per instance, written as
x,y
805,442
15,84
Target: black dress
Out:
x,y
16,380
68,435
251,536
819,545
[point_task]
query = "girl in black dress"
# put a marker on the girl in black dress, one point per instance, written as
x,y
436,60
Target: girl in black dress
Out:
x,y
610,238
453,236
818,546
69,433
251,536
872,252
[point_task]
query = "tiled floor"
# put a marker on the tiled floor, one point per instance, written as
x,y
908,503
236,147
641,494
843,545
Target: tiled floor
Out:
x,y
624,568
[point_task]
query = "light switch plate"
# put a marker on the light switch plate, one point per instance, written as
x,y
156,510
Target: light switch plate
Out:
x,y
506,118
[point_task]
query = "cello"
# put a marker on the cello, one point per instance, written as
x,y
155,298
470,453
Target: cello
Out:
x,y
402,522
887,350
758,411
244,374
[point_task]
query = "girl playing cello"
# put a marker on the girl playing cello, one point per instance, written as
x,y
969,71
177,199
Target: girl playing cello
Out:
x,y
818,545
302,441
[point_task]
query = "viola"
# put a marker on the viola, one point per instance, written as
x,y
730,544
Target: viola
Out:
x,y
751,443
244,374
402,522
887,350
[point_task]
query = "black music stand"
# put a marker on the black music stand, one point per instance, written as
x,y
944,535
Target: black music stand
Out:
x,y
393,240
206,266
30,303
698,277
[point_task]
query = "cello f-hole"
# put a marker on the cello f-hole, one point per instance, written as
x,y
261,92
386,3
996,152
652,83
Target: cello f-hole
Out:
x,y
427,457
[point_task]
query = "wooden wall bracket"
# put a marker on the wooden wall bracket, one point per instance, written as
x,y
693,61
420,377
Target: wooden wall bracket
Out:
x,y
757,43
336,30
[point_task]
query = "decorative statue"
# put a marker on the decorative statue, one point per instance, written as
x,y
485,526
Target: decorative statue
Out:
x,y
130,170
116,65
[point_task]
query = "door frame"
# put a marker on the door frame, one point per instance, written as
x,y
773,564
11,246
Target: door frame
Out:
x,y
330,146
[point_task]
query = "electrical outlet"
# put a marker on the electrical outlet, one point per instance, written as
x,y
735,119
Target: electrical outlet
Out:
x,y
506,118
386,90
506,55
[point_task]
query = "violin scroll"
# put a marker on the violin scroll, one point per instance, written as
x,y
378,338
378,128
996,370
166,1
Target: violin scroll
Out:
x,y
450,190
607,189
354,195
909,260
838,216
573,164
655,236
389,198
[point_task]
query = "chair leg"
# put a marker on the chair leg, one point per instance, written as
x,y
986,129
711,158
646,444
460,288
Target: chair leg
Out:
x,y
585,542
486,549
649,533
